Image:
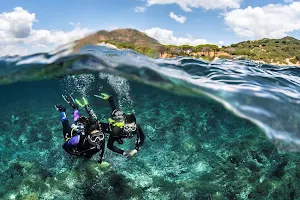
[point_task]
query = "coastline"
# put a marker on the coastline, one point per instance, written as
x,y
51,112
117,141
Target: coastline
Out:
x,y
218,56
270,63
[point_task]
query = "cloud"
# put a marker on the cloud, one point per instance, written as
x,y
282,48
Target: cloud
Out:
x,y
187,5
139,9
165,36
75,24
18,23
55,37
271,21
18,37
179,18
13,49
221,43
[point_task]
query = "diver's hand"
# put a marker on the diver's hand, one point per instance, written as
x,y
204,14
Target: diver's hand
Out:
x,y
60,108
130,153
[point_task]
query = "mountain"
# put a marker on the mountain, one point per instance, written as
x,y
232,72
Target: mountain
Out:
x,y
123,38
275,51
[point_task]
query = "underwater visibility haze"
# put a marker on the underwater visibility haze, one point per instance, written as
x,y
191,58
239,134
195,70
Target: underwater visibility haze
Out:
x,y
222,130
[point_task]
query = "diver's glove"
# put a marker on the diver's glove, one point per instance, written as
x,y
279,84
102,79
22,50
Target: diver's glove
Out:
x,y
130,153
103,96
120,141
70,100
60,108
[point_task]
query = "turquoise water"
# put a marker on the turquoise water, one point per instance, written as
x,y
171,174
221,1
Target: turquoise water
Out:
x,y
222,130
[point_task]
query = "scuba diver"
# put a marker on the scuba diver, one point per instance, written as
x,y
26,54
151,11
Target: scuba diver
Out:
x,y
85,137
122,126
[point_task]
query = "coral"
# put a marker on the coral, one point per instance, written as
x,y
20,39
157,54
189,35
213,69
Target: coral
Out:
x,y
194,149
31,196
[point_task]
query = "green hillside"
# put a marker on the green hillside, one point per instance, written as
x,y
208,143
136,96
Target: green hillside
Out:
x,y
268,50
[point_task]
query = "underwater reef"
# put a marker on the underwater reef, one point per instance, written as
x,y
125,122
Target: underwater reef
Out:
x,y
194,148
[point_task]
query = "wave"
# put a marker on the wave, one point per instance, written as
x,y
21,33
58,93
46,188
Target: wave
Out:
x,y
266,95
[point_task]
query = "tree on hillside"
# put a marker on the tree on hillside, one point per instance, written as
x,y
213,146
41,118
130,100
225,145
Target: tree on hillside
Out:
x,y
206,49
142,49
161,50
186,48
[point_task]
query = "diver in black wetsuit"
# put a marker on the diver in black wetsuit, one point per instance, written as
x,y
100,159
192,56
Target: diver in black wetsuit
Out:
x,y
86,136
122,126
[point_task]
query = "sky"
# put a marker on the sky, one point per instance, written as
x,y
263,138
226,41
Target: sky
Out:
x,y
40,26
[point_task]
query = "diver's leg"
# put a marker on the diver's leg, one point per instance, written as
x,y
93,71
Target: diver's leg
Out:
x,y
91,113
112,103
110,100
76,115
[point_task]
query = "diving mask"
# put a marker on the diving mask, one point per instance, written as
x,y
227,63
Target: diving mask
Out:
x,y
130,127
118,115
96,137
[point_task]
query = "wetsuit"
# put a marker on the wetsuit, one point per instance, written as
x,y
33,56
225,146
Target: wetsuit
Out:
x,y
81,138
116,134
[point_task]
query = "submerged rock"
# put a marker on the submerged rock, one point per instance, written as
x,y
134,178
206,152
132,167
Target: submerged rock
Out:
x,y
194,149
